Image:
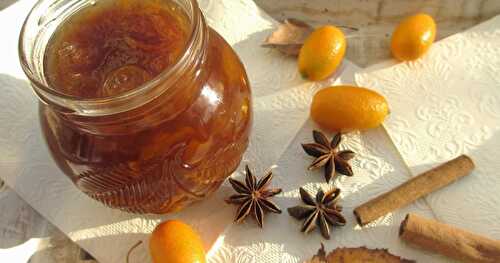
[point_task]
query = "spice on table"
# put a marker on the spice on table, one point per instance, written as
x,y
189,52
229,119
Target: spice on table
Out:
x,y
289,36
253,197
448,240
356,255
414,188
321,211
328,155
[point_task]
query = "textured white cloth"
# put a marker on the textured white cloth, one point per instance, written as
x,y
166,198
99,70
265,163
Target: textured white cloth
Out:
x,y
377,168
445,104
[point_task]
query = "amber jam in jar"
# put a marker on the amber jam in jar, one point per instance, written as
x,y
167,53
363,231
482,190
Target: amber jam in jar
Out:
x,y
144,107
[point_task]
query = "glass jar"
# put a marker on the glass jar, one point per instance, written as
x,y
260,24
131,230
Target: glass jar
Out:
x,y
155,148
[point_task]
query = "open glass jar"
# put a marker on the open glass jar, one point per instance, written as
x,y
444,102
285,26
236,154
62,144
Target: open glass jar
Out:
x,y
156,147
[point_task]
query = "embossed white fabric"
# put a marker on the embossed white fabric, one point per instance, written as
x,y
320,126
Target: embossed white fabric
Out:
x,y
445,104
377,168
278,97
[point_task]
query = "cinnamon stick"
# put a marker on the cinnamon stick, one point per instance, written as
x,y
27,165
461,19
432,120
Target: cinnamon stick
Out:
x,y
448,240
413,189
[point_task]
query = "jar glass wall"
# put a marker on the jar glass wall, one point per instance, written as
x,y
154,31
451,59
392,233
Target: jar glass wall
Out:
x,y
154,148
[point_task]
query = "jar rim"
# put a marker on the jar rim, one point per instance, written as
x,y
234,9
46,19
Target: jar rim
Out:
x,y
44,91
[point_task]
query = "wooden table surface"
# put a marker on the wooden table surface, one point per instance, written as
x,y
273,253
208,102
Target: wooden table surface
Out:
x,y
375,20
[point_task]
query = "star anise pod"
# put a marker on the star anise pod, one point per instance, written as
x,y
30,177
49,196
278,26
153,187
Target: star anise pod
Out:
x,y
321,211
253,197
328,155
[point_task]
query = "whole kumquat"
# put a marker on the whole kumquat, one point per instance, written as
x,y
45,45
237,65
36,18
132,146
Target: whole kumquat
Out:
x,y
348,108
413,37
322,53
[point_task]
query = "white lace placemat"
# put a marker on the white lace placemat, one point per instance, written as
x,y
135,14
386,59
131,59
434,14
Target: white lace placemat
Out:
x,y
446,104
377,168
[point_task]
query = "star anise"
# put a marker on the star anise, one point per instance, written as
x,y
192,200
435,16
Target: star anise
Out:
x,y
328,155
321,211
253,197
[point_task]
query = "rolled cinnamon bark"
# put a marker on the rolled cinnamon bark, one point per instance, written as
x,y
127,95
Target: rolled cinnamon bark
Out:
x,y
448,240
413,189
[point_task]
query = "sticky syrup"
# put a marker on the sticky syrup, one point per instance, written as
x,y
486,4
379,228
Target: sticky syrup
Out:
x,y
169,152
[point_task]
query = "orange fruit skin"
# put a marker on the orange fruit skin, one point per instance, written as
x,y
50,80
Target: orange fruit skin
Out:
x,y
348,108
176,242
413,37
322,53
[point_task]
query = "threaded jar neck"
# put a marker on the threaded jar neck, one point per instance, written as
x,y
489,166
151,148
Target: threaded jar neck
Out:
x,y
43,21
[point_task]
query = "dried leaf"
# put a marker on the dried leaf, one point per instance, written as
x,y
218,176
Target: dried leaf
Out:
x,y
289,36
320,257
357,255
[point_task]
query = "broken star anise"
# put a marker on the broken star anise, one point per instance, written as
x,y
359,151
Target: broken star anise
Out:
x,y
253,197
328,155
321,211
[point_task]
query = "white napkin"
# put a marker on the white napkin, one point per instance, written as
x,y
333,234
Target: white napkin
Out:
x,y
377,168
446,104
107,234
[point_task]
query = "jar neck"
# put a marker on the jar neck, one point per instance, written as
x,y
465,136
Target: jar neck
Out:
x,y
165,86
